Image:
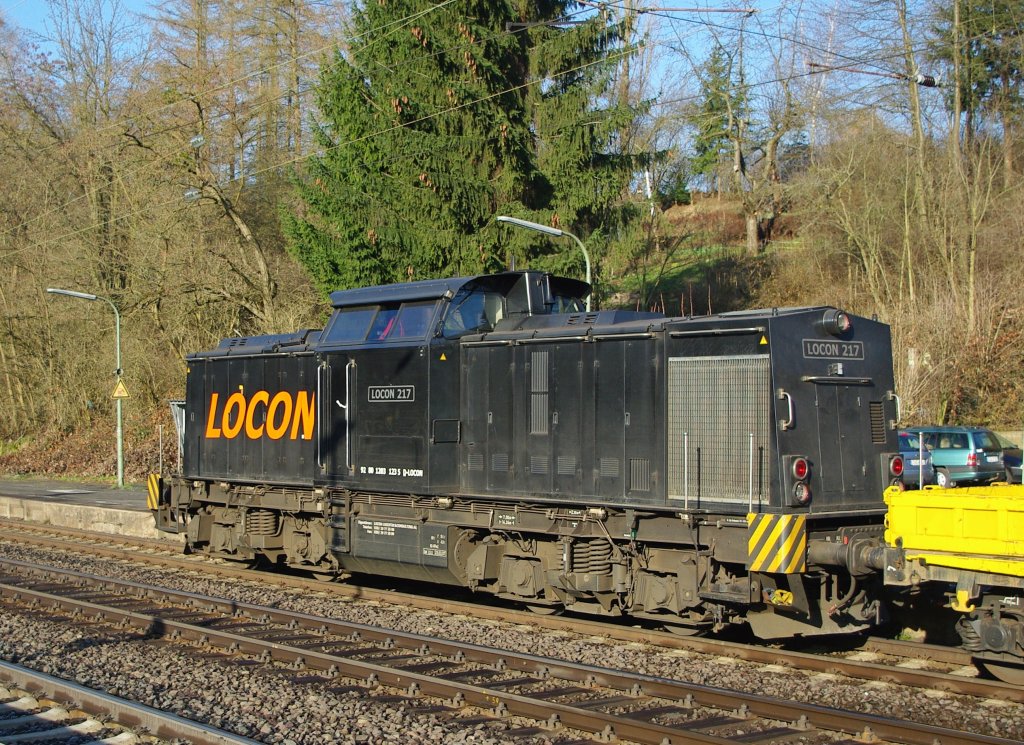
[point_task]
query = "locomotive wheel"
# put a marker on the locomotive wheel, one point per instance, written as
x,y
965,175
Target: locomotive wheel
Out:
x,y
545,610
245,563
679,630
325,576
1008,672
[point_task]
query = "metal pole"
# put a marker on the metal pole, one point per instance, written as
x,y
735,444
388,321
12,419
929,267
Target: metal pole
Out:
x,y
117,372
586,259
557,232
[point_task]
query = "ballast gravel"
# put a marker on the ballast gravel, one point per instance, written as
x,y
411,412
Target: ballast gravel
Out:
x,y
236,698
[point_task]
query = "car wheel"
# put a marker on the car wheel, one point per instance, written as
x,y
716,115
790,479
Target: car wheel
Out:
x,y
942,478
1009,475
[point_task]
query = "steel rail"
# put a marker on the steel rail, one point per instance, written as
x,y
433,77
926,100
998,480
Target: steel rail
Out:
x,y
129,714
742,705
860,669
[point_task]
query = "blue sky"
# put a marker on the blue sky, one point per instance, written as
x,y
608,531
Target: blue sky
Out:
x,y
32,14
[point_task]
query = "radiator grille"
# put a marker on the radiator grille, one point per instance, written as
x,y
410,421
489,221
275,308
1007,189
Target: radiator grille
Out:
x,y
715,404
566,465
499,462
475,462
877,422
539,465
610,468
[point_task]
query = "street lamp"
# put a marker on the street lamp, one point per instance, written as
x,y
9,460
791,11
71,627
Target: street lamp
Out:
x,y
550,231
117,372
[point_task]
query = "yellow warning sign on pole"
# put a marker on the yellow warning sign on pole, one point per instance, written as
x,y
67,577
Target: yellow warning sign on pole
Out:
x,y
119,390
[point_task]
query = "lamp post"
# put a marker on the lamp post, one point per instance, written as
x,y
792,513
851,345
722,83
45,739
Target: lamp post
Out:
x,y
536,226
117,372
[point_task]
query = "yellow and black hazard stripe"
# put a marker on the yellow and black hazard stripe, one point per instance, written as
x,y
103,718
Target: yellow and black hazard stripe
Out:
x,y
153,491
776,543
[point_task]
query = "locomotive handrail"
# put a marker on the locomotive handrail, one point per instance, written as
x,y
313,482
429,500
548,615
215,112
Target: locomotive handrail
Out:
x,y
319,420
558,339
634,335
785,424
892,395
719,332
348,419
489,343
835,380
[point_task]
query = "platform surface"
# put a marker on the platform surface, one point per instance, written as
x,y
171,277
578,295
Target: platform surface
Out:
x,y
132,497
80,504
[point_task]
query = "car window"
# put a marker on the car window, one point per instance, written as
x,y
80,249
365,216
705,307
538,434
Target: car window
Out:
x,y
987,441
952,441
910,442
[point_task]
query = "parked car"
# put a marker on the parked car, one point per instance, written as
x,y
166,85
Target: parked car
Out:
x,y
918,470
963,454
1011,460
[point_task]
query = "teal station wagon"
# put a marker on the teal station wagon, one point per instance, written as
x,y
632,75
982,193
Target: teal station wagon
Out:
x,y
962,454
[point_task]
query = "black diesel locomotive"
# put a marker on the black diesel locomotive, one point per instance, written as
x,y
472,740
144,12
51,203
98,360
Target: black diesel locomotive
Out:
x,y
489,432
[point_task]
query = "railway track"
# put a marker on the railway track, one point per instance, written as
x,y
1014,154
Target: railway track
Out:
x,y
453,676
38,708
913,664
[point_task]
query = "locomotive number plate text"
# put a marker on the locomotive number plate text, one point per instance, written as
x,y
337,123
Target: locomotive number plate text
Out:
x,y
833,350
378,393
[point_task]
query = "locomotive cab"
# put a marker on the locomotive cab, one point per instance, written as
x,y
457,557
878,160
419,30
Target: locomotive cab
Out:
x,y
388,373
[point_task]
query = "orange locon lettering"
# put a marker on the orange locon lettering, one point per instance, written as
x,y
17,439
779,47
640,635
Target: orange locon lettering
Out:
x,y
283,414
276,427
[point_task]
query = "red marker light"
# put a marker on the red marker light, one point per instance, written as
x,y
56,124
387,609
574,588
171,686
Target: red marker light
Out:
x,y
801,469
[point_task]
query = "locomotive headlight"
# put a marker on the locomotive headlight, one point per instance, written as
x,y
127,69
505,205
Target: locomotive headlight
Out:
x,y
801,492
836,322
896,465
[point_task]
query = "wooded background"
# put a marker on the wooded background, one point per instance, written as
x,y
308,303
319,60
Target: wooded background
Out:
x,y
215,167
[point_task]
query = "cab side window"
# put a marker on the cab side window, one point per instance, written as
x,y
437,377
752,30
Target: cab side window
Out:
x,y
413,320
350,324
472,312
405,321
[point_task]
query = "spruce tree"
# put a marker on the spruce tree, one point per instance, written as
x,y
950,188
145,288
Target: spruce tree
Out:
x,y
439,116
710,118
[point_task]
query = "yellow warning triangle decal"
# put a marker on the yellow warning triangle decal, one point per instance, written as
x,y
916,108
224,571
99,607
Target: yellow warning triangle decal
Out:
x,y
444,357
119,390
764,340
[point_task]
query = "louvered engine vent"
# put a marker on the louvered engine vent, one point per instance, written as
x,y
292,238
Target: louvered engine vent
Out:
x,y
877,415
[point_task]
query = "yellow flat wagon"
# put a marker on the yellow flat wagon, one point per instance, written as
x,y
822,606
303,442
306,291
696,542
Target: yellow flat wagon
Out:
x,y
971,540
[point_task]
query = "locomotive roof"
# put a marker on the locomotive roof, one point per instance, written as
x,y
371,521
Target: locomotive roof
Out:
x,y
425,289
431,289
